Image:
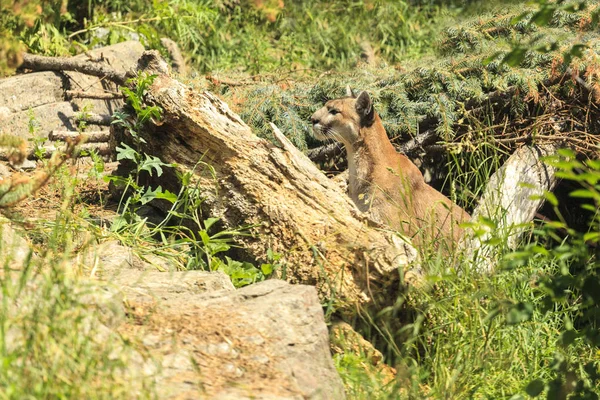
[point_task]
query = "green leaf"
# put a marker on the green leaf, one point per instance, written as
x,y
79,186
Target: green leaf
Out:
x,y
488,222
540,250
543,16
208,222
566,153
117,180
166,195
118,223
495,241
216,247
491,58
591,237
575,51
594,164
567,337
535,387
204,237
547,48
153,162
556,225
515,56
126,153
583,194
595,17
267,269
551,198
593,371
519,18
519,312
576,7
150,195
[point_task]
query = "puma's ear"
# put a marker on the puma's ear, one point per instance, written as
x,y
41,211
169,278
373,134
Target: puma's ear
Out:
x,y
349,92
364,108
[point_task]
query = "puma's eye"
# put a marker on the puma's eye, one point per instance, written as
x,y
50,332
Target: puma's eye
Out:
x,y
333,111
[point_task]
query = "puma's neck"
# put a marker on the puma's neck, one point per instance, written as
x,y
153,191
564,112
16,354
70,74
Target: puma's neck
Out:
x,y
372,152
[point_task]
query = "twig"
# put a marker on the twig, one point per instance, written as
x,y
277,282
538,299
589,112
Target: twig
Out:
x,y
43,63
419,141
88,137
80,94
228,82
326,152
47,151
96,119
335,150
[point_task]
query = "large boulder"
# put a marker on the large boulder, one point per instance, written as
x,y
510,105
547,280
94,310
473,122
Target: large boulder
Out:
x,y
264,341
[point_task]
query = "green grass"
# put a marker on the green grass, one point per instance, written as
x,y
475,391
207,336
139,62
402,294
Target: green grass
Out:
x,y
463,341
53,339
463,335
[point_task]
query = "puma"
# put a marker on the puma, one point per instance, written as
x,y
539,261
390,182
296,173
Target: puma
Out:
x,y
384,182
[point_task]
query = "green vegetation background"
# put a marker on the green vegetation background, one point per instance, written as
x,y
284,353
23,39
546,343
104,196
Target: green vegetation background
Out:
x,y
482,77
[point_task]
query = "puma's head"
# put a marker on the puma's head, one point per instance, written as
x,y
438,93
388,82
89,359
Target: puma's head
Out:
x,y
342,119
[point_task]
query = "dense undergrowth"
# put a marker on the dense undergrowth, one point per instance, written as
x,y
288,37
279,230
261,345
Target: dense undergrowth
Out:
x,y
480,81
246,35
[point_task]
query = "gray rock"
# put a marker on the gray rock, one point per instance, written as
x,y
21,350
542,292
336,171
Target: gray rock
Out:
x,y
147,286
264,341
109,258
41,95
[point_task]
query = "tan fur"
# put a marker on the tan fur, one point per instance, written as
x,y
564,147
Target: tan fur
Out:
x,y
383,181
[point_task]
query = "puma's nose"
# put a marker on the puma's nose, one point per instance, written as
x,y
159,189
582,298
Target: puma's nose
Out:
x,y
314,120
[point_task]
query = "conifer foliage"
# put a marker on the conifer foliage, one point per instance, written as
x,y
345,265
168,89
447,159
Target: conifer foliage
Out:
x,y
471,92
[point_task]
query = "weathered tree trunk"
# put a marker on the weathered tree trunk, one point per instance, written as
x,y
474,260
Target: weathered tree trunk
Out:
x,y
294,208
512,197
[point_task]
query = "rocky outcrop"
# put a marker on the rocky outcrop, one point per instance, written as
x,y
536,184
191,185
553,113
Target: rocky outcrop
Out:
x,y
196,336
37,103
264,341
203,339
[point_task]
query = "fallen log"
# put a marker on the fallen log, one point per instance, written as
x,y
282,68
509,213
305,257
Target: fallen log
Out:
x,y
292,207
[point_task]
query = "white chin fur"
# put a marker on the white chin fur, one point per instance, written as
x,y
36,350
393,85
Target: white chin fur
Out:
x,y
317,132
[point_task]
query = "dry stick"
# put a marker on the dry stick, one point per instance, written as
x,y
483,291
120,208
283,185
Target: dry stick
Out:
x,y
228,82
88,137
326,152
422,139
102,149
334,150
96,119
93,95
43,63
